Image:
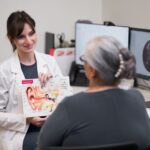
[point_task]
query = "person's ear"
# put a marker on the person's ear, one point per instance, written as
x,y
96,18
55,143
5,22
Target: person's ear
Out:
x,y
92,73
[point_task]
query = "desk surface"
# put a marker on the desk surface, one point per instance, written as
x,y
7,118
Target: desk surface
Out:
x,y
146,93
77,89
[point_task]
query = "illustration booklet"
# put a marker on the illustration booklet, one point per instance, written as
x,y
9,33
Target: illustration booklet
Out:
x,y
42,101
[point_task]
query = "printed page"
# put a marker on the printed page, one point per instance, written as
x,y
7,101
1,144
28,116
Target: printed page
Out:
x,y
42,101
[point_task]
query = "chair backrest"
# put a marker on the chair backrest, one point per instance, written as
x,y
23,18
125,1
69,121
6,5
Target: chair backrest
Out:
x,y
120,146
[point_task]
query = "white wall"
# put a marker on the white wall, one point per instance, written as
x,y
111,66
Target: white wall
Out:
x,y
50,15
134,13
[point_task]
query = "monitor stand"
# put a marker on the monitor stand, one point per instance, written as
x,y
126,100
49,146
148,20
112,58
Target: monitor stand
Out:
x,y
77,75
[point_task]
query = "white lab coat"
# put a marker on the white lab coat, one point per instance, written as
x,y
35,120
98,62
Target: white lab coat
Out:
x,y
13,125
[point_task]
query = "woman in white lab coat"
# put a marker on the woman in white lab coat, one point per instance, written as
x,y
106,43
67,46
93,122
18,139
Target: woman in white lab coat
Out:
x,y
16,131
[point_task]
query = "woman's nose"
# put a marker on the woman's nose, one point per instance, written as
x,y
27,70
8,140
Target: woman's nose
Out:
x,y
28,40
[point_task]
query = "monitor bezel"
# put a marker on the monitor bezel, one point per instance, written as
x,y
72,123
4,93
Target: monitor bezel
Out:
x,y
140,30
80,65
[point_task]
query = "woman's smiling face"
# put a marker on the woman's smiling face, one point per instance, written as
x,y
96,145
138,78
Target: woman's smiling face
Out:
x,y
26,41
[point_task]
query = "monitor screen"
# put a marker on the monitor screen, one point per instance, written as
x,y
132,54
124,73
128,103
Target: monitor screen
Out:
x,y
85,32
140,46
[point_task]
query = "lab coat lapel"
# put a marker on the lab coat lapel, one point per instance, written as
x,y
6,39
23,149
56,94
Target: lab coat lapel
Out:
x,y
42,66
15,66
18,76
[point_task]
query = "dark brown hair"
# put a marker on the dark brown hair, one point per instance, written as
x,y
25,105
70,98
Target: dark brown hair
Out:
x,y
15,25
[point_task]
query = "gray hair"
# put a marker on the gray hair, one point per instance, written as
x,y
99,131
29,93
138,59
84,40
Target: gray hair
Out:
x,y
102,53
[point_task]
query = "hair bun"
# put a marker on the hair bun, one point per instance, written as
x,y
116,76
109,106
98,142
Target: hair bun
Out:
x,y
129,63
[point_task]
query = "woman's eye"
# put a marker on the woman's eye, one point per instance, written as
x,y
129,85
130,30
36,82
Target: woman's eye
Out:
x,y
31,33
24,36
20,37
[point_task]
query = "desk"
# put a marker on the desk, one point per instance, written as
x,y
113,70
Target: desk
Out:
x,y
77,89
124,84
148,111
145,93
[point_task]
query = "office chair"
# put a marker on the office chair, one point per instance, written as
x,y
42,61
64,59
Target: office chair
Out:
x,y
120,146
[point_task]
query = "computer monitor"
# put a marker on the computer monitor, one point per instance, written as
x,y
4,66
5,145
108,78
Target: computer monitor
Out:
x,y
85,32
140,47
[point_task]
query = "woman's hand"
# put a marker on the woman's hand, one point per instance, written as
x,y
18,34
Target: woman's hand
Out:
x,y
44,77
37,121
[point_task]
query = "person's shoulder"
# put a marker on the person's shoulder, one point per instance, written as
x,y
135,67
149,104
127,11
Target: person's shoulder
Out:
x,y
76,98
134,91
135,94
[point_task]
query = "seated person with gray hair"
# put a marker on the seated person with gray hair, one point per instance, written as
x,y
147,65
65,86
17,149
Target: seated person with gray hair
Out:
x,y
104,114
